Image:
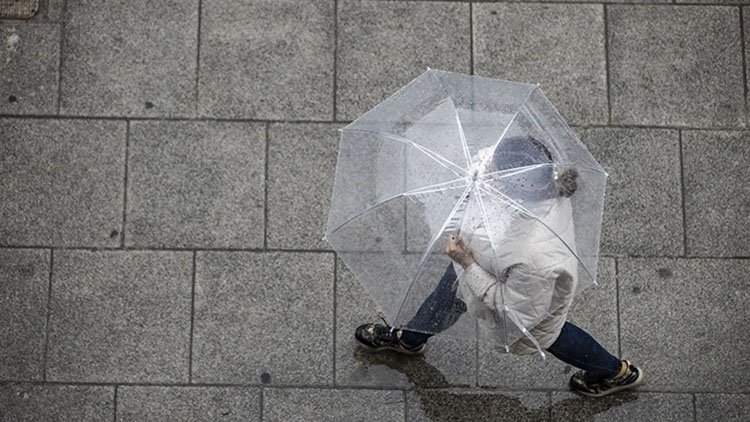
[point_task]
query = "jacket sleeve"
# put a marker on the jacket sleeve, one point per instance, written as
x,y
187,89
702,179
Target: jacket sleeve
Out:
x,y
525,295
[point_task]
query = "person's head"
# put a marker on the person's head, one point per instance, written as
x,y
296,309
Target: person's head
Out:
x,y
541,183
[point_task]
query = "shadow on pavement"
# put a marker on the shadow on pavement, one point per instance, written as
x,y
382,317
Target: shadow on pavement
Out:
x,y
439,401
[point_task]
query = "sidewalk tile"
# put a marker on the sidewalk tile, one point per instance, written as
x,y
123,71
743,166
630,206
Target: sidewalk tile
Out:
x,y
195,404
676,66
384,45
643,206
54,403
558,46
263,317
129,58
24,281
309,405
196,184
268,59
595,311
684,322
722,407
472,405
28,62
623,407
716,192
301,166
62,182
120,316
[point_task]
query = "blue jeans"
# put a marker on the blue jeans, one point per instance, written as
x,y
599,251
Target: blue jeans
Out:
x,y
573,346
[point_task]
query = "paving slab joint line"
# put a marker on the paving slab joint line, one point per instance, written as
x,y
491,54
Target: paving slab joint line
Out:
x,y
192,321
196,106
335,54
335,325
744,63
340,122
682,194
114,406
47,321
60,53
265,186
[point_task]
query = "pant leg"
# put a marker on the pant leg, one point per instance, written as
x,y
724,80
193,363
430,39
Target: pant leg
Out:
x,y
576,347
438,312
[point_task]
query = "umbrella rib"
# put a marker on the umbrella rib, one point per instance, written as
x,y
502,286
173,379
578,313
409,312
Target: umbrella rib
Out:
x,y
513,119
437,187
518,170
450,165
435,237
504,198
486,221
461,133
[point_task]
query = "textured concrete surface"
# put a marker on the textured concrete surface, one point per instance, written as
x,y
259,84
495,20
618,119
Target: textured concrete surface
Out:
x,y
716,203
24,283
165,172
676,66
260,318
561,47
311,405
301,167
196,404
61,182
697,341
115,315
195,184
129,58
267,59
28,63
642,212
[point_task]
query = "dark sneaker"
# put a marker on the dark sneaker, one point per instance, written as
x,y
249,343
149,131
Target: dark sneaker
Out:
x,y
633,378
379,337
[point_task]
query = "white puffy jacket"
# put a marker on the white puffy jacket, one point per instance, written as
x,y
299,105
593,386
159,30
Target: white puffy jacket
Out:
x,y
533,278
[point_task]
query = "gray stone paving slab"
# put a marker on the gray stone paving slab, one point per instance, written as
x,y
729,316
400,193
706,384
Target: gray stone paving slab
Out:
x,y
129,58
53,403
595,311
684,322
269,59
625,407
716,193
62,182
120,316
311,405
558,46
192,404
54,9
722,407
196,184
24,283
384,45
643,204
263,317
28,65
675,66
476,405
447,361
301,168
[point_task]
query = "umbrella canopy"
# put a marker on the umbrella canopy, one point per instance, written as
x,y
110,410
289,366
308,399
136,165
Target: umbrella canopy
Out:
x,y
487,160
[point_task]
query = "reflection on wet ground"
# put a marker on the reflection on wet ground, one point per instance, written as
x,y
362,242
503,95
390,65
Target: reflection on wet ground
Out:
x,y
433,398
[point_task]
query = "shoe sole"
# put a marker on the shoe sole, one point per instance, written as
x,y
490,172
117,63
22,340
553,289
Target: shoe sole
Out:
x,y
391,348
638,381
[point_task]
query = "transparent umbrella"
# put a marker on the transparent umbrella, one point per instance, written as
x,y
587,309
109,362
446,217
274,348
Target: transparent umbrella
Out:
x,y
490,162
